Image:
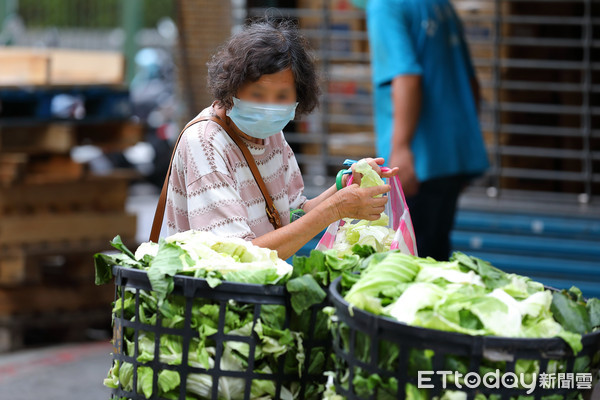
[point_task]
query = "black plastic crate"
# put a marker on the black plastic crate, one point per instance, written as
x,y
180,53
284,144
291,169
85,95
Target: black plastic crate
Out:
x,y
396,352
135,324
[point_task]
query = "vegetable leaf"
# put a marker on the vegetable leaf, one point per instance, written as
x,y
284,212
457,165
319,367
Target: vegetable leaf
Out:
x,y
571,315
103,265
117,243
170,260
305,292
593,308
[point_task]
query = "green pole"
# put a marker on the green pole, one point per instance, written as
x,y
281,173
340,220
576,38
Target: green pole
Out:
x,y
133,13
8,9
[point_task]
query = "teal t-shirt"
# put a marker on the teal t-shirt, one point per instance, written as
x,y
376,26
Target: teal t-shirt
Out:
x,y
425,37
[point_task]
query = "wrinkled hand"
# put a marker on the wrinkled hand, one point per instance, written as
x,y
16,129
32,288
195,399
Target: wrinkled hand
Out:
x,y
402,159
360,203
375,164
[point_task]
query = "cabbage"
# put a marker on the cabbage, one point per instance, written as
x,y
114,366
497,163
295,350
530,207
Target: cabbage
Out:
x,y
225,255
465,295
469,296
280,334
365,233
369,176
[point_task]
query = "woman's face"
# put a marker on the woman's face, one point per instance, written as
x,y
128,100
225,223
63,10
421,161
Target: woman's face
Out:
x,y
277,88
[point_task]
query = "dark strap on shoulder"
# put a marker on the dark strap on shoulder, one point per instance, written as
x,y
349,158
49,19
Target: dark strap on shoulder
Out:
x,y
272,213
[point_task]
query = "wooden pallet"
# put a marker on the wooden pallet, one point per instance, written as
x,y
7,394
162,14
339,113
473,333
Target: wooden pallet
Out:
x,y
110,136
53,228
20,331
12,168
53,168
94,193
50,138
68,262
26,66
57,297
61,137
100,103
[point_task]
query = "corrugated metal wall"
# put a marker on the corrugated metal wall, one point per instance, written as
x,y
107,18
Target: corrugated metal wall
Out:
x,y
539,65
536,211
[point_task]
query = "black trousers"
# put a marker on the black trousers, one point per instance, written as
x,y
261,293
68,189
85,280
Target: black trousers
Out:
x,y
432,212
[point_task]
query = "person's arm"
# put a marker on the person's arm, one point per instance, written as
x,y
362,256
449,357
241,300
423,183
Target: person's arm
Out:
x,y
406,99
350,202
312,203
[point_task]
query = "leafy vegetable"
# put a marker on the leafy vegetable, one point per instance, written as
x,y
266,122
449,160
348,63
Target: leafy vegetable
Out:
x,y
465,295
197,253
593,307
375,234
470,296
369,176
572,315
278,334
307,293
382,274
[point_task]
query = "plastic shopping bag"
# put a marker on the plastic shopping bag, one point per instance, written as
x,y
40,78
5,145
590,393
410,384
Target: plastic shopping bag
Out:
x,y
399,220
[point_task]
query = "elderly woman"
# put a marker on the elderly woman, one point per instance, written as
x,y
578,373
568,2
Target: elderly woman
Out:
x,y
261,79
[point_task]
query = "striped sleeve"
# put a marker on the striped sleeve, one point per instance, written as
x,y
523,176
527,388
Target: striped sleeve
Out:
x,y
294,181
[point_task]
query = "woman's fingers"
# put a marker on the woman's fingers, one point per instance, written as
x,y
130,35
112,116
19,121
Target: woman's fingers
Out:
x,y
392,172
377,190
374,163
379,202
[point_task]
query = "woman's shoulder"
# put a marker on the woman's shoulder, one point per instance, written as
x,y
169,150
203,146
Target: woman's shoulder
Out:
x,y
197,124
205,132
204,146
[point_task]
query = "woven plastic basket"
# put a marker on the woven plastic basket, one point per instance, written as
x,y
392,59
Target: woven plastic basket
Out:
x,y
389,369
131,323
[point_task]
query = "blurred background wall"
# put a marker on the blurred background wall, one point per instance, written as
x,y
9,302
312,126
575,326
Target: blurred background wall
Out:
x,y
93,93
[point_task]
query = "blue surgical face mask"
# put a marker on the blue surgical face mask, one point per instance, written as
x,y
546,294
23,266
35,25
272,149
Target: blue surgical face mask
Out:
x,y
261,120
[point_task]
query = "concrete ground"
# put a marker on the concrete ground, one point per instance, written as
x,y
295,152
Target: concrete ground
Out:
x,y
61,372
68,372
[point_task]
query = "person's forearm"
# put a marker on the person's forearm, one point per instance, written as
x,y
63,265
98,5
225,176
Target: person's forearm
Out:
x,y
406,98
312,203
289,239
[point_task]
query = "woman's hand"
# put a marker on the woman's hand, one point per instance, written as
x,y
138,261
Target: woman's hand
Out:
x,y
360,203
375,164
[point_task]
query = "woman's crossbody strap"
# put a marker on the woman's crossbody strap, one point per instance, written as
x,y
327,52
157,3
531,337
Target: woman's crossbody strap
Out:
x,y
272,213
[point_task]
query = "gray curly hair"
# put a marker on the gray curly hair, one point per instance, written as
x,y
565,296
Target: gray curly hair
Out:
x,y
264,47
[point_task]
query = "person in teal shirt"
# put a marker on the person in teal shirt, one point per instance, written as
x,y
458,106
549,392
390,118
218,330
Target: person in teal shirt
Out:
x,y
425,106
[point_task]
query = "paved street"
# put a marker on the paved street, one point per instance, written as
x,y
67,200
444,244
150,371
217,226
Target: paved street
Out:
x,y
63,372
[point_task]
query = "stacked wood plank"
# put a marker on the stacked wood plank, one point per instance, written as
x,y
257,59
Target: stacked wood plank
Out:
x,y
25,66
54,213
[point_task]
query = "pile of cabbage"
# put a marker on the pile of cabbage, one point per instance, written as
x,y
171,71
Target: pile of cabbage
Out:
x,y
465,295
198,254
470,296
280,343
